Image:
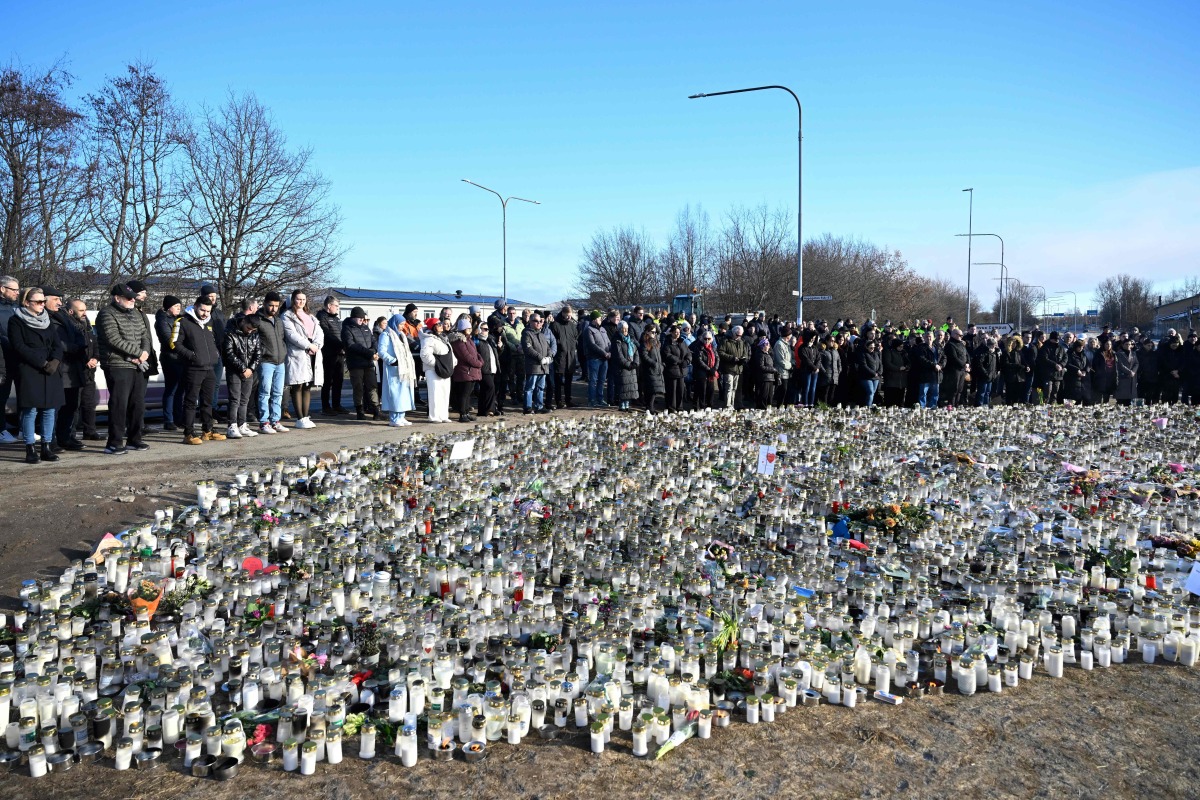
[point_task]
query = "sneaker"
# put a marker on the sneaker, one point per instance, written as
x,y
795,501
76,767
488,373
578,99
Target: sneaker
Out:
x,y
139,446
213,436
246,430
278,428
187,439
233,432
8,438
305,422
266,428
115,451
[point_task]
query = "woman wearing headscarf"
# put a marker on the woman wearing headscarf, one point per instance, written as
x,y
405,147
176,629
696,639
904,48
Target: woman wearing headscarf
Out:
x,y
399,372
651,368
705,375
627,358
304,337
37,353
466,371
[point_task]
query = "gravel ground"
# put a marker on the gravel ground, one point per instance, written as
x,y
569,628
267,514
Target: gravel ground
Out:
x,y
1123,732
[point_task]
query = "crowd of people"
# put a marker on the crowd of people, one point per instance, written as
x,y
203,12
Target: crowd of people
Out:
x,y
274,354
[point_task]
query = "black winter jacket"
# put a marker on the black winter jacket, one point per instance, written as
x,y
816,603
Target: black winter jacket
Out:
x,y
359,344
676,358
242,351
331,326
271,342
33,351
193,342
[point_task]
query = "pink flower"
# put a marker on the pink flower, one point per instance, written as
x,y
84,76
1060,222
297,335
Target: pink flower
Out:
x,y
322,659
261,734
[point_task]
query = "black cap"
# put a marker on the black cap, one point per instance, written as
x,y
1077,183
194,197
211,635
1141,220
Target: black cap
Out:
x,y
171,300
50,291
124,290
137,286
408,309
358,312
208,288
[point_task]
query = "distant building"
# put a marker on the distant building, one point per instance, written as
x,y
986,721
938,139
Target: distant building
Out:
x,y
386,302
1182,315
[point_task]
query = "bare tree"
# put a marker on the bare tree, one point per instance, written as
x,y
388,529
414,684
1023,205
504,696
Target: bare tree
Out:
x,y
619,267
860,276
686,264
258,214
41,185
1126,300
136,198
1022,303
1189,288
756,266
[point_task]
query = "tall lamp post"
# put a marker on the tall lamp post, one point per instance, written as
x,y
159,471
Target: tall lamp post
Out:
x,y
1074,311
503,226
1003,283
971,236
799,183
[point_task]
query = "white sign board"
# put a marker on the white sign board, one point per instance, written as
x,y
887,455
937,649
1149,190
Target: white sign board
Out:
x,y
766,459
462,450
1002,328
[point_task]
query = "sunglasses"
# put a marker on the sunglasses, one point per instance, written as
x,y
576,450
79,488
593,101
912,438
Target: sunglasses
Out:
x,y
38,302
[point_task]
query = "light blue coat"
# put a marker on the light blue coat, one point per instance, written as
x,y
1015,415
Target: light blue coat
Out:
x,y
399,373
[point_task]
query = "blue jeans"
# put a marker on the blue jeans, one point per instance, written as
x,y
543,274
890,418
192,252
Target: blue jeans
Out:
x,y
218,372
535,389
809,395
270,392
597,373
869,389
984,398
28,424
927,395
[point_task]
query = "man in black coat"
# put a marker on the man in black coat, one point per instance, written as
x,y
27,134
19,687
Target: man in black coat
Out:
x,y
220,325
333,356
927,363
193,340
1051,368
1147,377
958,364
361,356
566,335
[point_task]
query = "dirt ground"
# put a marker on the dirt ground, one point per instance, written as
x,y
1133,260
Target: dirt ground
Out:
x,y
1123,732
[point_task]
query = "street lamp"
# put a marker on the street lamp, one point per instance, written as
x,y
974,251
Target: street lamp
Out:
x,y
799,184
503,226
970,236
1075,311
1003,281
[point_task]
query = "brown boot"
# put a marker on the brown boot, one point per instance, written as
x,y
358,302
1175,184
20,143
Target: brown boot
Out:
x,y
189,438
213,436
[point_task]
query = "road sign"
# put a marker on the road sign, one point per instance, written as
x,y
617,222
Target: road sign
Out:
x,y
1093,312
1002,328
1059,314
808,297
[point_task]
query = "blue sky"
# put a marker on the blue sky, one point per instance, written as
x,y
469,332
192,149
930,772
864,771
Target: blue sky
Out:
x,y
1075,123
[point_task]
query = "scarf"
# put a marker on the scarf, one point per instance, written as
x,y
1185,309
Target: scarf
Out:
x,y
307,321
39,322
406,370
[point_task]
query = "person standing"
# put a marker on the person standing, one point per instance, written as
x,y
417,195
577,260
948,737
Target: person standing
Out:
x,y
958,365
124,347
438,360
193,341
242,354
782,354
895,372
808,364
271,375
734,354
927,361
676,360
304,337
536,349
333,357
705,372
361,356
140,292
765,374
986,369
467,369
399,372
486,343
172,367
220,327
566,334
512,330
650,370
598,351
88,400
247,307
868,364
10,292
37,354
71,369
1127,372
1147,374
1051,368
